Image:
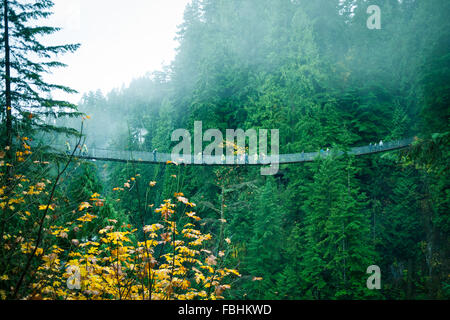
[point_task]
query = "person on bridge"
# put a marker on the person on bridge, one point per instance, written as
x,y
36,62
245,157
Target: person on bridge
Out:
x,y
154,154
263,161
84,150
68,149
381,143
198,158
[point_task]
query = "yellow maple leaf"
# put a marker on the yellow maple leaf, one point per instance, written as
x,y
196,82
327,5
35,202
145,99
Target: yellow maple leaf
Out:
x,y
211,260
44,207
87,217
84,205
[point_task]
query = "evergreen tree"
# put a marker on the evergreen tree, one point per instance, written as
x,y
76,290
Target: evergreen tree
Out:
x,y
27,106
336,248
264,259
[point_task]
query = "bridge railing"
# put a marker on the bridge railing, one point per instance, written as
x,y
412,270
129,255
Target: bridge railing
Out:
x,y
149,157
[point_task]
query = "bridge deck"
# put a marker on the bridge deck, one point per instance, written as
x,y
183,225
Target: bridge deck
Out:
x,y
148,157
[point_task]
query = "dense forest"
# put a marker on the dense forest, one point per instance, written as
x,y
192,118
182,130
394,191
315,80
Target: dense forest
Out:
x,y
82,229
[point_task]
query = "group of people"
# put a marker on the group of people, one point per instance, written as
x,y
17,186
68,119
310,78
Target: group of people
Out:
x,y
372,147
376,146
84,149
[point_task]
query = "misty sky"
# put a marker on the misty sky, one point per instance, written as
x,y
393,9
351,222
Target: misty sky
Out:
x,y
121,40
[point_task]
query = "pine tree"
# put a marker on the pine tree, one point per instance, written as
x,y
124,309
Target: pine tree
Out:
x,y
264,258
337,250
26,97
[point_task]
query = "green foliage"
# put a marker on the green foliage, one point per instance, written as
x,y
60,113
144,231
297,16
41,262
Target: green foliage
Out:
x,y
313,70
29,60
336,248
264,259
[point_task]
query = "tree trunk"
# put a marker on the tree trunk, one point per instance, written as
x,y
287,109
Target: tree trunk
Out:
x,y
409,285
222,217
8,112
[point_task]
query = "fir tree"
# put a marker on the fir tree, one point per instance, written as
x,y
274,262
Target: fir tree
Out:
x,y
264,258
27,105
337,250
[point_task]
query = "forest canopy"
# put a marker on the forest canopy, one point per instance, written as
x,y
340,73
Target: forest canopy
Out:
x,y
77,228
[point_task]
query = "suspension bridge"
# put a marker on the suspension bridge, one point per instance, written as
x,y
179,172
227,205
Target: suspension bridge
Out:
x,y
99,154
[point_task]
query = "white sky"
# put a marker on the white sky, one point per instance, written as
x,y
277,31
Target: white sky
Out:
x,y
120,40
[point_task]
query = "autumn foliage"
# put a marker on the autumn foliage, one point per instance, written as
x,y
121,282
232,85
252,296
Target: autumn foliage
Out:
x,y
43,256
